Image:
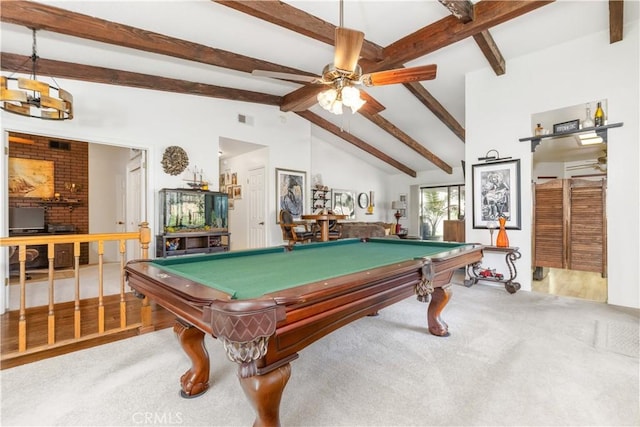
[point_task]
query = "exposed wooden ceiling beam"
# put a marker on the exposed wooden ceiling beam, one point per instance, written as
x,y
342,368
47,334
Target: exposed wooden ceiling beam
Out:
x,y
48,67
490,49
461,9
449,30
44,17
281,14
284,15
330,127
616,20
464,10
436,108
407,140
40,16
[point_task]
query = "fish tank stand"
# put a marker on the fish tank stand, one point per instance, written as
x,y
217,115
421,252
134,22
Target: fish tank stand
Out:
x,y
192,221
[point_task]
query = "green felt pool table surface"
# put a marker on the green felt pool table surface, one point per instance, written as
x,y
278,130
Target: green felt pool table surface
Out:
x,y
253,273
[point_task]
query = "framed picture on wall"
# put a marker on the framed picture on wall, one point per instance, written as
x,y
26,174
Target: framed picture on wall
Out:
x,y
237,191
403,212
344,203
496,192
31,178
290,192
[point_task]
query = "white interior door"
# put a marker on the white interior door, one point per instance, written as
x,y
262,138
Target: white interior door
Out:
x,y
136,210
257,229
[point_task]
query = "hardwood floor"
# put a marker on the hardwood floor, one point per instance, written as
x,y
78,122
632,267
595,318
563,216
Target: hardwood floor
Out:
x,y
37,327
572,283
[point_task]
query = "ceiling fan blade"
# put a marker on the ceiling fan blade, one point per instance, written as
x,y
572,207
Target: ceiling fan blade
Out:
x,y
286,76
400,75
348,45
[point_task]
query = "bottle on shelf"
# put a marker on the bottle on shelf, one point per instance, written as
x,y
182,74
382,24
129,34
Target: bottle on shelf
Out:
x,y
538,130
588,121
598,118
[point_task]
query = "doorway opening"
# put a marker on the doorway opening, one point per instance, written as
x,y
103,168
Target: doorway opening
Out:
x,y
569,230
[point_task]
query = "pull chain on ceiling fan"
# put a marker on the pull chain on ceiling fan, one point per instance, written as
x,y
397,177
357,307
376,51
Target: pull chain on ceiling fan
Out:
x,y
345,73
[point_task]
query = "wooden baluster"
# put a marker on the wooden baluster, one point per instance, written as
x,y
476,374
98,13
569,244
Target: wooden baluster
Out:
x,y
51,319
145,310
22,320
77,332
145,316
100,286
145,239
123,304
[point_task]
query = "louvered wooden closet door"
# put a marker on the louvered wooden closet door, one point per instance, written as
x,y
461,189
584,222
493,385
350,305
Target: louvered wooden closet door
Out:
x,y
549,220
587,250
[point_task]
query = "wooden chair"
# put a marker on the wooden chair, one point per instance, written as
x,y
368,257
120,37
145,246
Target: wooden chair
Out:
x,y
293,231
335,229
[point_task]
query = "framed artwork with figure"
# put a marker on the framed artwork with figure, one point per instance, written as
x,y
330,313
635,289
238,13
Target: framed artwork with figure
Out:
x,y
344,203
290,192
496,193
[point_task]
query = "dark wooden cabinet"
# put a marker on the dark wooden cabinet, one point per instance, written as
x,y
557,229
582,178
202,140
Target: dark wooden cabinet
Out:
x,y
191,243
63,255
453,230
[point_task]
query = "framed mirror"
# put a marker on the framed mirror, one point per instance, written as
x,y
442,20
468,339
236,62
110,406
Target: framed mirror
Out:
x,y
363,200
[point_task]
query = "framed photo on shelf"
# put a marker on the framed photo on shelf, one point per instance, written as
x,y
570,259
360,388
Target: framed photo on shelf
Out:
x,y
496,192
344,203
290,192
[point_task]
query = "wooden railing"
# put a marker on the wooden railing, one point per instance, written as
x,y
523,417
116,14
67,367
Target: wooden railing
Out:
x,y
143,236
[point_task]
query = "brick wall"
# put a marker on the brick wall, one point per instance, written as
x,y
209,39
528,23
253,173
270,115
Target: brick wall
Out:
x,y
71,165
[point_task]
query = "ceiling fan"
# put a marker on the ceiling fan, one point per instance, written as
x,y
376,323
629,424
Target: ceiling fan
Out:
x,y
599,164
344,73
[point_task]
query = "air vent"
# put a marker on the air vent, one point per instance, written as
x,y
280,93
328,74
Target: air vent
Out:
x,y
247,120
60,145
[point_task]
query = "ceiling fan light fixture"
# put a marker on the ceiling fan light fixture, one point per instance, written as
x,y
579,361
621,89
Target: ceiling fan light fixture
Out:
x,y
333,99
351,98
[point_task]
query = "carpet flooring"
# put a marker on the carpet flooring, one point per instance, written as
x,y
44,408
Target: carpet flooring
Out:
x,y
525,359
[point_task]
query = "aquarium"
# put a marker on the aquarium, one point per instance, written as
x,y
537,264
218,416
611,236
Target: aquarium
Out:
x,y
184,210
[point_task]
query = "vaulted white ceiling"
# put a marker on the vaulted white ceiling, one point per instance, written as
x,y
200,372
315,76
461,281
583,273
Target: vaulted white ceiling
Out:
x,y
215,25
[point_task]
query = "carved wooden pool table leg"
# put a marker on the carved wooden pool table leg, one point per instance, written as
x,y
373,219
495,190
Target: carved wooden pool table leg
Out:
x,y
195,381
439,299
265,393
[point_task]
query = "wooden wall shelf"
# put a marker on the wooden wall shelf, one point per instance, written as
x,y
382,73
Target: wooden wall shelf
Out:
x,y
601,131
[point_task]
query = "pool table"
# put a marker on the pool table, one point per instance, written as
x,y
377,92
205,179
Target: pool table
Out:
x,y
266,305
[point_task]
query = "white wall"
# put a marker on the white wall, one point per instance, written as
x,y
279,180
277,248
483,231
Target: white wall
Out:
x,y
343,171
499,112
154,120
107,181
239,215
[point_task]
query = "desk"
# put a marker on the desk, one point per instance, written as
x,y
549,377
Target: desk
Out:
x,y
266,305
323,222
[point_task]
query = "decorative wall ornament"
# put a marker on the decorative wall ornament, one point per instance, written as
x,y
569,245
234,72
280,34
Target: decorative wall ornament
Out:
x,y
174,160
